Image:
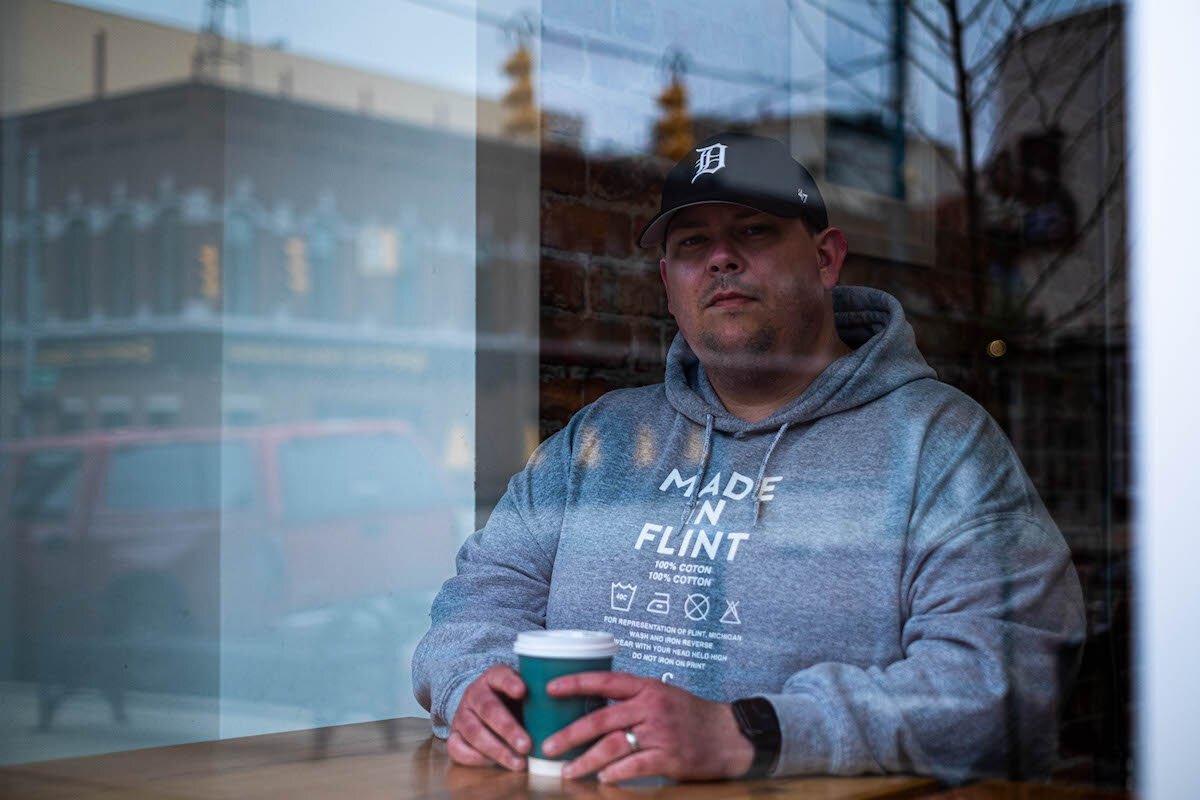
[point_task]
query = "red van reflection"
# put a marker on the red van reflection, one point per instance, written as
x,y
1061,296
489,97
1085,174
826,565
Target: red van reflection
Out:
x,y
130,545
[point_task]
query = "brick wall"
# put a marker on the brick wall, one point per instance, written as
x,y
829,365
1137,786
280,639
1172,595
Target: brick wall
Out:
x,y
603,313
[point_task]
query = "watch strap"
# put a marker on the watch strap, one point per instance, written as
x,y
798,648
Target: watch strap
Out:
x,y
758,722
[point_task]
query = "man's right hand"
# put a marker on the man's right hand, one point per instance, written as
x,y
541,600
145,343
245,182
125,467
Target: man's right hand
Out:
x,y
484,731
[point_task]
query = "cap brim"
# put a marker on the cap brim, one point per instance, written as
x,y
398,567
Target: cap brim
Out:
x,y
654,233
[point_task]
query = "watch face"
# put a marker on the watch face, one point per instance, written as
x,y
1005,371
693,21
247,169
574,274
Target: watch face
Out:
x,y
757,716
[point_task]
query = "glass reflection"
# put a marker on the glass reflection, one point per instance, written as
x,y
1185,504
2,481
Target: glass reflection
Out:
x,y
239,309
974,153
238,330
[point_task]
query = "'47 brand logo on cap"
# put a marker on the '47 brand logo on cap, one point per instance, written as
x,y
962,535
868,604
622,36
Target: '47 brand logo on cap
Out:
x,y
712,158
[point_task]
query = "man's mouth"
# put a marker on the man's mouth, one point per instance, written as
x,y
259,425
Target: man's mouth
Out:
x,y
729,299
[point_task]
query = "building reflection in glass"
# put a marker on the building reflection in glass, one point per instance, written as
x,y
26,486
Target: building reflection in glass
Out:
x,y
238,342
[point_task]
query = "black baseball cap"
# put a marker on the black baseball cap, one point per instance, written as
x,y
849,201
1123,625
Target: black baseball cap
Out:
x,y
744,169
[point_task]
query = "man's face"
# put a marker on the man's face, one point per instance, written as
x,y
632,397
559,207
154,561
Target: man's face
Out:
x,y
749,288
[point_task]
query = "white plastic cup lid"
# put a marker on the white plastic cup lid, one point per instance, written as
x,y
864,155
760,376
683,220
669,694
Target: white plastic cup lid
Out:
x,y
565,644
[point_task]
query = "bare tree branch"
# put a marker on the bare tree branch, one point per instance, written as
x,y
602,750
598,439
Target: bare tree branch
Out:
x,y
1086,68
992,71
1032,73
973,15
840,72
1023,53
844,20
930,48
937,146
1050,118
831,66
1011,30
1066,40
912,125
928,72
1117,274
919,65
1116,99
1061,257
846,73
939,35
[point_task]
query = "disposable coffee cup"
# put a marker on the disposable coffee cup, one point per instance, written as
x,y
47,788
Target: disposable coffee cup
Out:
x,y
544,656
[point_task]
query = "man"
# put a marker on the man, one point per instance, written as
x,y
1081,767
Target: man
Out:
x,y
815,556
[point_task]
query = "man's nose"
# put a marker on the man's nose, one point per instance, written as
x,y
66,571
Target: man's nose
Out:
x,y
723,257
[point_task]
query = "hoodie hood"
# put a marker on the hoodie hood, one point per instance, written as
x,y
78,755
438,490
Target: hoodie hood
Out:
x,y
884,357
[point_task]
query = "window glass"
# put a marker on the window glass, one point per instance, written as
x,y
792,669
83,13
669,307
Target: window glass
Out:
x,y
238,263
47,485
974,156
167,268
323,264
326,477
179,477
75,279
120,281
330,276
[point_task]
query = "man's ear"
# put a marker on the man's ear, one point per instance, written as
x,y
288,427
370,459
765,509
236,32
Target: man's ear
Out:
x,y
662,273
831,255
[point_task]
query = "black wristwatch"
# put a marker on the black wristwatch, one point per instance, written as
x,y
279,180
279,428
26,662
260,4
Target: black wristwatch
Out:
x,y
757,721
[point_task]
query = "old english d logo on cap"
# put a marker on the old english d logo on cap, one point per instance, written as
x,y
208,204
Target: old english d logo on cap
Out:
x,y
712,158
744,169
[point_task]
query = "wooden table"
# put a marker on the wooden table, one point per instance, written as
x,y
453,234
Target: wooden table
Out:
x,y
397,760
400,760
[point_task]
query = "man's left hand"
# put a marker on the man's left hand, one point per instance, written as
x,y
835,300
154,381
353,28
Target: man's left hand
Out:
x,y
679,735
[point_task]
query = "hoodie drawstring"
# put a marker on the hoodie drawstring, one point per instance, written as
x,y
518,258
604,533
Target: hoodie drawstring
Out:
x,y
691,505
700,475
762,472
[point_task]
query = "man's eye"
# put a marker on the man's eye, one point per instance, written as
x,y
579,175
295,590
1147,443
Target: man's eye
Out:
x,y
756,230
691,241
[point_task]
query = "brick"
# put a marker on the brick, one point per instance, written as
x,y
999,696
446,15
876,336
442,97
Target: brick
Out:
x,y
642,294
573,226
628,292
629,180
564,171
559,397
618,240
562,284
549,427
584,341
579,227
597,385
602,290
649,347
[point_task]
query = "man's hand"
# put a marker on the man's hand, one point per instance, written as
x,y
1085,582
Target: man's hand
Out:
x,y
679,735
484,731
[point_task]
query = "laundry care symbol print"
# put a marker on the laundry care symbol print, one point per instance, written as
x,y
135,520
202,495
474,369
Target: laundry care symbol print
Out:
x,y
661,604
622,596
695,607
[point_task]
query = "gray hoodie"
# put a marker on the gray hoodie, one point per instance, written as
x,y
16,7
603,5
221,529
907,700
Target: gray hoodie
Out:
x,y
872,559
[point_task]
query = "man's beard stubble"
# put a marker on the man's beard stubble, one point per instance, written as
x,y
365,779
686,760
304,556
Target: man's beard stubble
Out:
x,y
747,354
760,342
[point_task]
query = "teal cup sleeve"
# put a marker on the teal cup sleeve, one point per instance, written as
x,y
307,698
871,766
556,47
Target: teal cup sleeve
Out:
x,y
544,715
